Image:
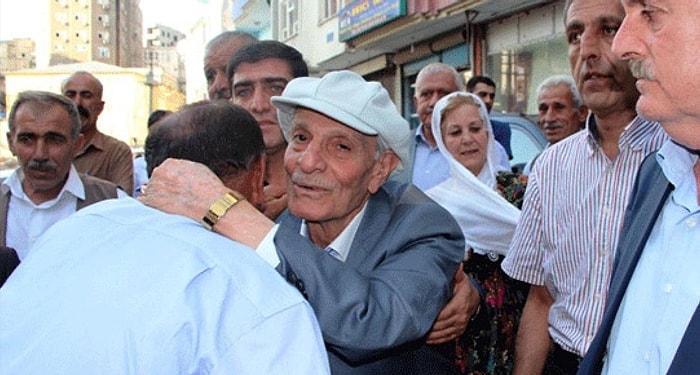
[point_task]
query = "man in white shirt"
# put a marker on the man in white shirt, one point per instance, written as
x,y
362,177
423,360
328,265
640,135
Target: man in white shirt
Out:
x,y
44,135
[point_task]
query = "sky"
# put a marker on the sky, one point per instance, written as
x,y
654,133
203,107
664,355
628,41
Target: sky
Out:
x,y
17,22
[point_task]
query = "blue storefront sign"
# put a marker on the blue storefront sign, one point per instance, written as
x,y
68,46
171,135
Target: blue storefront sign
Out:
x,y
361,16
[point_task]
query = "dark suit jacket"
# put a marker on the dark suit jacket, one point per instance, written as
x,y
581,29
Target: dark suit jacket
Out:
x,y
8,262
375,309
650,192
501,131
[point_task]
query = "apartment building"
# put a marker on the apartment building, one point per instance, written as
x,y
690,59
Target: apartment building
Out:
x,y
108,31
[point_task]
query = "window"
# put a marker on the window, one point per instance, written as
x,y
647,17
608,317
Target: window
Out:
x,y
103,52
104,19
288,18
329,9
104,37
518,71
61,17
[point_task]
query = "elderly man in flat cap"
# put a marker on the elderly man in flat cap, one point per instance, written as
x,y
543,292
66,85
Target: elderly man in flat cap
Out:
x,y
375,260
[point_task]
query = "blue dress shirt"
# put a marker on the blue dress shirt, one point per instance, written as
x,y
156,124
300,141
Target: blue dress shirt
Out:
x,y
429,166
664,290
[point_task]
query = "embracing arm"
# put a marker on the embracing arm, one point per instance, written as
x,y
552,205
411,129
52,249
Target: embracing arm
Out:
x,y
533,343
188,189
453,318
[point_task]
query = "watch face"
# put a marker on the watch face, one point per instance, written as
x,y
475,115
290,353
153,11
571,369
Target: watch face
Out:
x,y
219,208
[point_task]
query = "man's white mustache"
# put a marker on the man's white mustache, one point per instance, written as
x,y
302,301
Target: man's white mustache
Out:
x,y
640,70
300,178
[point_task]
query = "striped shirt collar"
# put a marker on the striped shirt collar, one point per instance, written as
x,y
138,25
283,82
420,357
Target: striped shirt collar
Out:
x,y
636,134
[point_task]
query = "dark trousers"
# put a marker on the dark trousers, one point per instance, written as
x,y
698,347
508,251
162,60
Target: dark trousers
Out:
x,y
561,362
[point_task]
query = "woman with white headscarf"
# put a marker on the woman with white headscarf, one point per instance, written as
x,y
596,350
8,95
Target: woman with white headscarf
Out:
x,y
485,201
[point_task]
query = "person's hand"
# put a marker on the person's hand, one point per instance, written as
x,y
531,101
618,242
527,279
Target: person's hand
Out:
x,y
453,318
182,187
275,201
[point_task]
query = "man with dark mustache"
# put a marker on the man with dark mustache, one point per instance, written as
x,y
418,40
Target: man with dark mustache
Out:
x,y
561,109
44,135
564,245
101,156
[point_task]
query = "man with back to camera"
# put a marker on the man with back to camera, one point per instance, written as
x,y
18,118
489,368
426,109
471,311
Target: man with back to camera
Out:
x,y
374,260
217,53
101,156
120,288
257,72
565,242
652,316
561,111
44,134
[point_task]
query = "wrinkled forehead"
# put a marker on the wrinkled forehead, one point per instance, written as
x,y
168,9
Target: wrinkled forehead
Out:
x,y
82,84
581,12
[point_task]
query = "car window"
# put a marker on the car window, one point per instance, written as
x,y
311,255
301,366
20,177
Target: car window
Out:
x,y
523,144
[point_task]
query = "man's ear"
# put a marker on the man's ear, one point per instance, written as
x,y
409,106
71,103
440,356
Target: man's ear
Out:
x,y
11,143
582,113
256,179
382,169
102,107
250,182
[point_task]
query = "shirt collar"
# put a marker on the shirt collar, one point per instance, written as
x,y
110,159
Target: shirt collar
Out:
x,y
97,141
676,162
343,242
635,134
73,186
420,138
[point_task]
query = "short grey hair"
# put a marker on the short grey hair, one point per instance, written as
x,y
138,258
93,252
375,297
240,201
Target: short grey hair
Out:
x,y
39,101
562,80
435,68
567,5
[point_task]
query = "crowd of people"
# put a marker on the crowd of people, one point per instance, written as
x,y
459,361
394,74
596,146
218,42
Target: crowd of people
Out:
x,y
295,224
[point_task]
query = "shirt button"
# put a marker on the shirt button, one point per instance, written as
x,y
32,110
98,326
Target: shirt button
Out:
x,y
647,357
668,288
690,223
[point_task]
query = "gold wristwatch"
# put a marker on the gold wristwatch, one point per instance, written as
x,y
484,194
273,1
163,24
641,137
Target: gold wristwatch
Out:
x,y
219,208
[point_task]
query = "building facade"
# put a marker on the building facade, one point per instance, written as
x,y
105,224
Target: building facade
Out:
x,y
108,31
516,42
162,51
126,92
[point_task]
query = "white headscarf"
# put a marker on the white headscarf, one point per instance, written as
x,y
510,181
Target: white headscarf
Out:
x,y
487,220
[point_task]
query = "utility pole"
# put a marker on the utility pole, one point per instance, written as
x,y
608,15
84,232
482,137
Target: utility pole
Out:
x,y
150,81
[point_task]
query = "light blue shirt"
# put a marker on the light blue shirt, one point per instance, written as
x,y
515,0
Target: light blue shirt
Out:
x,y
664,290
120,288
429,166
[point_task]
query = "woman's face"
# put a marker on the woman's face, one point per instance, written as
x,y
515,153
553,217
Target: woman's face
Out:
x,y
465,137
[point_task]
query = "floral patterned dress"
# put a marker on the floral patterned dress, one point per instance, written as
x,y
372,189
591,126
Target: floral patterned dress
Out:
x,y
488,344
